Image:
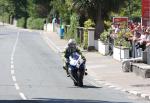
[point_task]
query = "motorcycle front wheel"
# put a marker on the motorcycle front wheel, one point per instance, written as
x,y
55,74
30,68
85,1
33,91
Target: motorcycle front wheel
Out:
x,y
80,77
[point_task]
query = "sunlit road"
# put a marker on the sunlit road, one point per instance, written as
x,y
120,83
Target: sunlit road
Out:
x,y
31,72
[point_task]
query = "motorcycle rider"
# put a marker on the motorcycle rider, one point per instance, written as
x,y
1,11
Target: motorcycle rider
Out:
x,y
71,48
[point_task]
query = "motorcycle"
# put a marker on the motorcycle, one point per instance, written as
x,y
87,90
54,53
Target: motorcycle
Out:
x,y
76,69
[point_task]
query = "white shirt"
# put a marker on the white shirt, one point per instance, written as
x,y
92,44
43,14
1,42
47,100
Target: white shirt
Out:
x,y
148,37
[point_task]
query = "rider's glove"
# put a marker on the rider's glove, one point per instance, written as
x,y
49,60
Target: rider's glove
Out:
x,y
67,60
84,59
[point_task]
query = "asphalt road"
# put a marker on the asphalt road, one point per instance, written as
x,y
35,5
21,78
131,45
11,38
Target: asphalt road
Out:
x,y
31,72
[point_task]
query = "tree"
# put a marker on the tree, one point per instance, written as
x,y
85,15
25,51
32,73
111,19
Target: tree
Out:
x,y
97,10
16,8
62,9
38,8
132,9
7,10
20,8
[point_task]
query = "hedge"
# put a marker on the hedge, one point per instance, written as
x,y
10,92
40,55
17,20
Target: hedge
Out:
x,y
21,22
35,23
5,18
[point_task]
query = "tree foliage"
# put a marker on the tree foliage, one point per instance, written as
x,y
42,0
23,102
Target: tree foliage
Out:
x,y
73,26
97,10
38,8
62,9
131,9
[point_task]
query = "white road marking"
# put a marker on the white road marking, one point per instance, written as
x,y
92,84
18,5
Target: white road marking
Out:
x,y
22,96
12,58
118,88
12,72
12,66
107,84
51,44
12,62
14,78
14,48
123,90
94,84
111,86
144,96
17,86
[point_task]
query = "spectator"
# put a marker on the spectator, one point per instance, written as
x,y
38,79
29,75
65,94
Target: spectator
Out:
x,y
135,46
111,39
147,37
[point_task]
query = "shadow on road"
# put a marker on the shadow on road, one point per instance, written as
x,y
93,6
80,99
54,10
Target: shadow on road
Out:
x,y
90,86
86,87
43,100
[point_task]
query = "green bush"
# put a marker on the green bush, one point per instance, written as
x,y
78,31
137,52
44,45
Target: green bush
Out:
x,y
35,23
5,18
87,24
29,23
121,41
1,19
21,22
72,31
38,23
104,35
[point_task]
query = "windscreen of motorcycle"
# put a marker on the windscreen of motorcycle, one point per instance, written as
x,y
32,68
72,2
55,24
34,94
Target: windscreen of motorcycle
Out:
x,y
74,58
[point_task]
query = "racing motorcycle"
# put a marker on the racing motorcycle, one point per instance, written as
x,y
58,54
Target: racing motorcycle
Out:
x,y
76,69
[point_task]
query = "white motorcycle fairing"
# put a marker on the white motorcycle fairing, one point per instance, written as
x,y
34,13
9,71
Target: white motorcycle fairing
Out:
x,y
75,60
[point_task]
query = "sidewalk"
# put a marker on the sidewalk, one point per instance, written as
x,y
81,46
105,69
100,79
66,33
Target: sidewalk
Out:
x,y
107,71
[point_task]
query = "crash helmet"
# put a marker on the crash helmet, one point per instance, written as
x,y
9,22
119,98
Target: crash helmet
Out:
x,y
72,43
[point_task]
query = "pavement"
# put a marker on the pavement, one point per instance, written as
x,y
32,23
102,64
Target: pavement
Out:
x,y
105,70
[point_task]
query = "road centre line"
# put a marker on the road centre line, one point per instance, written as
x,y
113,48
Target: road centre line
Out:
x,y
14,48
14,78
22,96
17,86
12,72
12,59
12,68
12,62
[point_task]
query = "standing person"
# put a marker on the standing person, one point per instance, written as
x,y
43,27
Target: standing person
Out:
x,y
111,40
135,46
148,39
